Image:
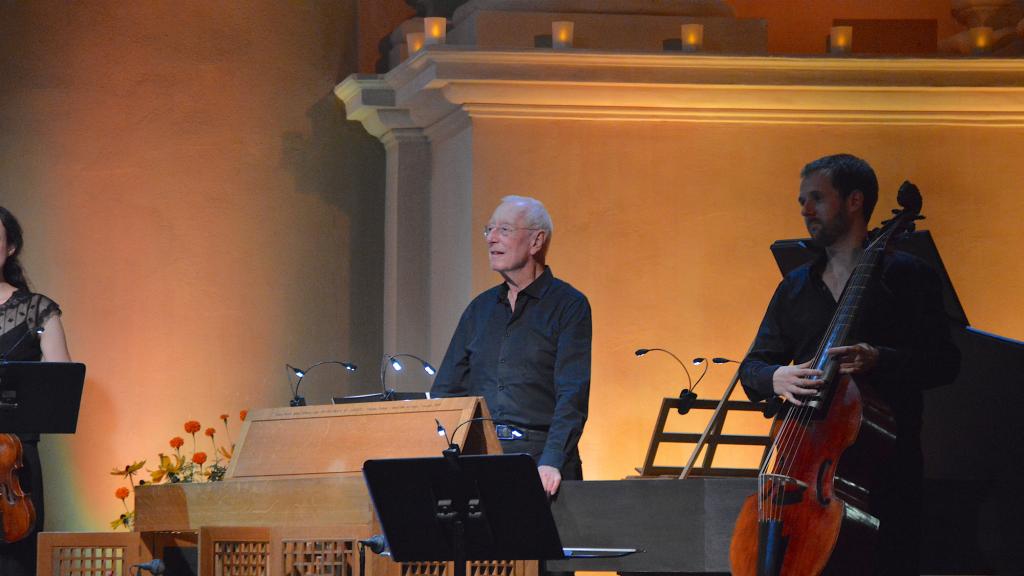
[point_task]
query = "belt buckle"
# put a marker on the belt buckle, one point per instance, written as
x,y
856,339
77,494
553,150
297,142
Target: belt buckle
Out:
x,y
506,432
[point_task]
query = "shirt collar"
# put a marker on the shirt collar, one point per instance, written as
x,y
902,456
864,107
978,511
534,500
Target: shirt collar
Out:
x,y
536,290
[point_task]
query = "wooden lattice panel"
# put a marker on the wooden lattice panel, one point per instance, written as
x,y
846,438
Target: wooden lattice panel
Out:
x,y
496,568
87,554
318,557
424,568
241,558
89,561
474,568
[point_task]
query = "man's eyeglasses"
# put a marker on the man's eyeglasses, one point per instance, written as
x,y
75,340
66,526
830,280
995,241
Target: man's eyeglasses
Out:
x,y
503,230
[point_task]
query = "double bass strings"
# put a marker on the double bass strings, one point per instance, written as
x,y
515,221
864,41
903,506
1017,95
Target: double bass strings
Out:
x,y
772,487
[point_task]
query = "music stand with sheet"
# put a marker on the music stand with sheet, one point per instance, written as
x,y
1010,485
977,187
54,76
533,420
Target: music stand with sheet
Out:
x,y
40,397
481,507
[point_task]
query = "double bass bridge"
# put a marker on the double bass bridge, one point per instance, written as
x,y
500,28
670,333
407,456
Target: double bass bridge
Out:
x,y
781,490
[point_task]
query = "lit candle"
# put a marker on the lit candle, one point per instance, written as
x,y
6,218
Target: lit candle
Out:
x,y
981,39
434,30
840,39
414,42
561,35
692,36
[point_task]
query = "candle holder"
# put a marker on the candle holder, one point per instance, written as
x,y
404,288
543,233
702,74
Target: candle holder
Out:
x,y
414,42
561,35
435,30
840,40
691,37
981,40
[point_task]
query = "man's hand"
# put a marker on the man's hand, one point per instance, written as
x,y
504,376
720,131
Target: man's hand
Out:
x,y
550,478
792,382
856,359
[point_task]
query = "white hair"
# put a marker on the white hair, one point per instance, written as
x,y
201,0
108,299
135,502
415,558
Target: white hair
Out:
x,y
536,214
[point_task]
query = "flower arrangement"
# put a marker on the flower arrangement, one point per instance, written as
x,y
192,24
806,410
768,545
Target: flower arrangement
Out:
x,y
177,467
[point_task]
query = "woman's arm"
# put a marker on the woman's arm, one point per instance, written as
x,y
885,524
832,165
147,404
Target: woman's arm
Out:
x,y
53,342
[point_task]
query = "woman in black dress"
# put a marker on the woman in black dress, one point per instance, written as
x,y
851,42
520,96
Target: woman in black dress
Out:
x,y
21,314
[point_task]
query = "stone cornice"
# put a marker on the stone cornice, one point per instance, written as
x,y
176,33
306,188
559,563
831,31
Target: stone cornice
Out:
x,y
588,85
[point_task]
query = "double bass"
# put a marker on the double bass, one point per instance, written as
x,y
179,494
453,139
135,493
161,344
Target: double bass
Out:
x,y
16,508
811,513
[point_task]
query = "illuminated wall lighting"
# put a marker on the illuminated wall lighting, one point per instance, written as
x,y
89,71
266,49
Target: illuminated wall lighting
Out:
x,y
435,29
981,39
561,35
692,37
840,39
414,42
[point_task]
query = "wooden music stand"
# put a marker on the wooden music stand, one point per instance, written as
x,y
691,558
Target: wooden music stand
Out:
x,y
706,442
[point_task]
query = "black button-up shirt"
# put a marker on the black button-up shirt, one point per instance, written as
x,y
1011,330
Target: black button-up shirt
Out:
x,y
902,315
531,365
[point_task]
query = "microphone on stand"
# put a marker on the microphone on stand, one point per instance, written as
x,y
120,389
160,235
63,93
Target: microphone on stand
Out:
x,y
300,373
377,544
154,566
392,360
38,332
686,396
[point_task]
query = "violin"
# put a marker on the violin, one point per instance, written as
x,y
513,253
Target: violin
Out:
x,y
16,509
811,513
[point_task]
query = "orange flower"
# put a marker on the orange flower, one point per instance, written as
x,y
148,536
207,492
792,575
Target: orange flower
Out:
x,y
121,493
177,442
199,458
192,426
243,414
210,432
224,417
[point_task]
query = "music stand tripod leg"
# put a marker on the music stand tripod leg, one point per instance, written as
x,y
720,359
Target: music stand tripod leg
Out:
x,y
447,513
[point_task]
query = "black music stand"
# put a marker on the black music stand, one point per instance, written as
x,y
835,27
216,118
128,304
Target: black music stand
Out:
x,y
486,507
40,397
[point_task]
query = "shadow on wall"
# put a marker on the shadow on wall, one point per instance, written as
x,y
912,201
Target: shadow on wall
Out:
x,y
340,163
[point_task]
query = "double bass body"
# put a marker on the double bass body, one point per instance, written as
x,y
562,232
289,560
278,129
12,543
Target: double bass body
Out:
x,y
819,496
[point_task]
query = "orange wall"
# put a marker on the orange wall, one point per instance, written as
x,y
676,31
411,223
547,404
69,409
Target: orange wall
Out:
x,y
377,19
196,201
666,227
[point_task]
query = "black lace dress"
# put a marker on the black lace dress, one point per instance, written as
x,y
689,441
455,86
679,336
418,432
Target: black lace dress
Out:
x,y
20,315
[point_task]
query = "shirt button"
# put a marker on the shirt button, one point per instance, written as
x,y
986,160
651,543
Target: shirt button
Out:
x,y
501,361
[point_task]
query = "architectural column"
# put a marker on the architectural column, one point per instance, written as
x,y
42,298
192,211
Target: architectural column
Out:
x,y
407,242
406,299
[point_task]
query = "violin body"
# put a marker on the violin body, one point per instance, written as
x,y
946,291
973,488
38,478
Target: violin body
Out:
x,y
823,523
16,508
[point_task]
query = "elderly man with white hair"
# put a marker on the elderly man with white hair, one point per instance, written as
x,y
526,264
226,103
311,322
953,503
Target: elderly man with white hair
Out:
x,y
524,346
